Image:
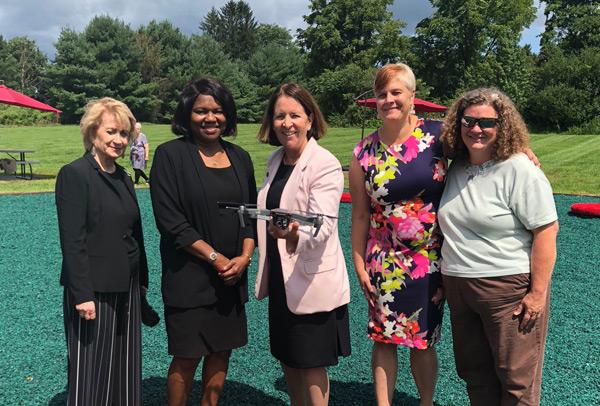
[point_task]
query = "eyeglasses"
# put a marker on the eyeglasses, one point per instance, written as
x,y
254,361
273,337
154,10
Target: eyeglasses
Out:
x,y
469,122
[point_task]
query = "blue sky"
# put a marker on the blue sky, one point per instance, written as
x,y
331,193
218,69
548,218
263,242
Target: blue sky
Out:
x,y
43,20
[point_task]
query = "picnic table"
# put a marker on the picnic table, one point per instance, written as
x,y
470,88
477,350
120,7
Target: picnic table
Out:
x,y
21,161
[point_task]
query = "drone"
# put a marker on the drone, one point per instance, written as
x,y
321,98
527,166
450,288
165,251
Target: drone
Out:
x,y
280,217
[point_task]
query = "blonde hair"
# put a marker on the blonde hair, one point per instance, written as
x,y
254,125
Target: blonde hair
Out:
x,y
386,73
92,118
512,134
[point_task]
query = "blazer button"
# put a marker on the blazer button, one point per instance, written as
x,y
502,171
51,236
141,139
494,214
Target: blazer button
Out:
x,y
124,236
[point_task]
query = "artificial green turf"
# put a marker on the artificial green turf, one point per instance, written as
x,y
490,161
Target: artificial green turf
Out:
x,y
33,352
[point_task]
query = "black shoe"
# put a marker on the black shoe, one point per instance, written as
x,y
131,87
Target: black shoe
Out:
x,y
149,316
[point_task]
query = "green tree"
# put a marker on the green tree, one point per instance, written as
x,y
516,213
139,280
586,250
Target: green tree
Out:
x,y
335,91
276,60
572,24
8,65
30,67
112,44
567,75
101,61
271,34
73,78
342,32
272,65
207,58
234,27
163,52
468,43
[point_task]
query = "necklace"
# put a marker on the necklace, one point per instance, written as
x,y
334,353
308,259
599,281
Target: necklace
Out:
x,y
478,170
214,159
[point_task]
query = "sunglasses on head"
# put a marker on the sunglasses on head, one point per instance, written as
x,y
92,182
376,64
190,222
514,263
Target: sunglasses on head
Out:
x,y
469,122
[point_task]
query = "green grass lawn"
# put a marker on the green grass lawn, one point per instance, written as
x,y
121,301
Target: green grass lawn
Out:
x,y
569,161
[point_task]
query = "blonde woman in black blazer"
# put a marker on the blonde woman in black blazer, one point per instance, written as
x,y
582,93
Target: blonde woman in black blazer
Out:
x,y
104,262
205,251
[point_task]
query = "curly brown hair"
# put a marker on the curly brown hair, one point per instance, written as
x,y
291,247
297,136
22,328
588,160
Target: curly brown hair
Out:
x,y
512,134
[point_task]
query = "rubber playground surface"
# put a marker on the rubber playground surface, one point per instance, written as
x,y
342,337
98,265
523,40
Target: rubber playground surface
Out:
x,y
33,351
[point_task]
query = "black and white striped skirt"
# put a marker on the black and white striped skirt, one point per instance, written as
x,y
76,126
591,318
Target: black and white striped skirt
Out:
x,y
104,354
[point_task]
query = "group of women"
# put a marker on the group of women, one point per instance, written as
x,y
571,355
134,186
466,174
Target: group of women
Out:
x,y
493,207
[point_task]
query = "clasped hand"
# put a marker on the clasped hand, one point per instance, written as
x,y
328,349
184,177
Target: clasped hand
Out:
x,y
231,270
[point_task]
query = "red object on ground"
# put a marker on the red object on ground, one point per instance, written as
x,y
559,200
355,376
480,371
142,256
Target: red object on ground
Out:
x,y
9,96
421,106
586,209
346,198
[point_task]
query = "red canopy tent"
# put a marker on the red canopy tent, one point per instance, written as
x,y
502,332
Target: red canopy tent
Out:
x,y
421,106
9,96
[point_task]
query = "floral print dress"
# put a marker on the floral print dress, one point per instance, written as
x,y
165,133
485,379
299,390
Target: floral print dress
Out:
x,y
404,183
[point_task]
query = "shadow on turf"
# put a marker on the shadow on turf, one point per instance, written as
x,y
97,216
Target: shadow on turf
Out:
x,y
236,393
355,393
155,394
35,177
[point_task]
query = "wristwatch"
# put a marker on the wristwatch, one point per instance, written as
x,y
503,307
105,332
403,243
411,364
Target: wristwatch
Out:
x,y
212,256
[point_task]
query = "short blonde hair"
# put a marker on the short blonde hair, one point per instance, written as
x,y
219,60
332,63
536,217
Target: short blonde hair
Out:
x,y
386,73
92,118
512,134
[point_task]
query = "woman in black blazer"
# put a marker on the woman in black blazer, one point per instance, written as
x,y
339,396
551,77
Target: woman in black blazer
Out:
x,y
204,249
104,262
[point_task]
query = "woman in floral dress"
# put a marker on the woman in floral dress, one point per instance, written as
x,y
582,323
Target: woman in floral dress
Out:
x,y
396,180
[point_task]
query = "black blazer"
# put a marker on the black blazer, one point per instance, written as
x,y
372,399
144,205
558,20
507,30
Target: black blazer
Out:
x,y
95,250
184,215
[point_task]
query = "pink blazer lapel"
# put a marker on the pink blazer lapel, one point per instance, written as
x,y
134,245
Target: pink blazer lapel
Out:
x,y
289,194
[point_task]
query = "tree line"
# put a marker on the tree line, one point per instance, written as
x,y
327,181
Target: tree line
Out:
x,y
463,44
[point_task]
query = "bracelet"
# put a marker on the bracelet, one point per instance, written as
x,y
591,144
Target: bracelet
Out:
x,y
247,256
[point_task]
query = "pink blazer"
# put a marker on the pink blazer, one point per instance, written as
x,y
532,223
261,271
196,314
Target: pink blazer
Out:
x,y
315,276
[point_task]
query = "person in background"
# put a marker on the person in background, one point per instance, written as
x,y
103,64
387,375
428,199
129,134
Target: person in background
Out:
x,y
104,262
500,225
396,180
204,249
139,153
303,274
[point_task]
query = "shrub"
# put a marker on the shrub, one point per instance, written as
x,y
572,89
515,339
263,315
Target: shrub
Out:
x,y
591,127
13,115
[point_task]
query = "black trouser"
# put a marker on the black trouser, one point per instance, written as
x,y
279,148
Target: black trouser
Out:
x,y
138,173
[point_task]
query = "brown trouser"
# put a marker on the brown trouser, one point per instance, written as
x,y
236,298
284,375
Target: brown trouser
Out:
x,y
500,364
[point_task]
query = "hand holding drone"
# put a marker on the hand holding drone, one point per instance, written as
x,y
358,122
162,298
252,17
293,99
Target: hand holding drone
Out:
x,y
280,217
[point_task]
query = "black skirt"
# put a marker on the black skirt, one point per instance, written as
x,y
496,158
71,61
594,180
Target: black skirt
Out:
x,y
306,340
203,330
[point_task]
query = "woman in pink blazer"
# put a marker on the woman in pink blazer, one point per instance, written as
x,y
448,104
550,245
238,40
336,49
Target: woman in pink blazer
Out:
x,y
304,275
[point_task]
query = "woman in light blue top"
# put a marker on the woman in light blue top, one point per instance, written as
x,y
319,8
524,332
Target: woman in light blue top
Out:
x,y
499,222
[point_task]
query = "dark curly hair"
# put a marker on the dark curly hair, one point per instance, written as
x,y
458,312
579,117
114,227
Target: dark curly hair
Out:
x,y
512,134
208,87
